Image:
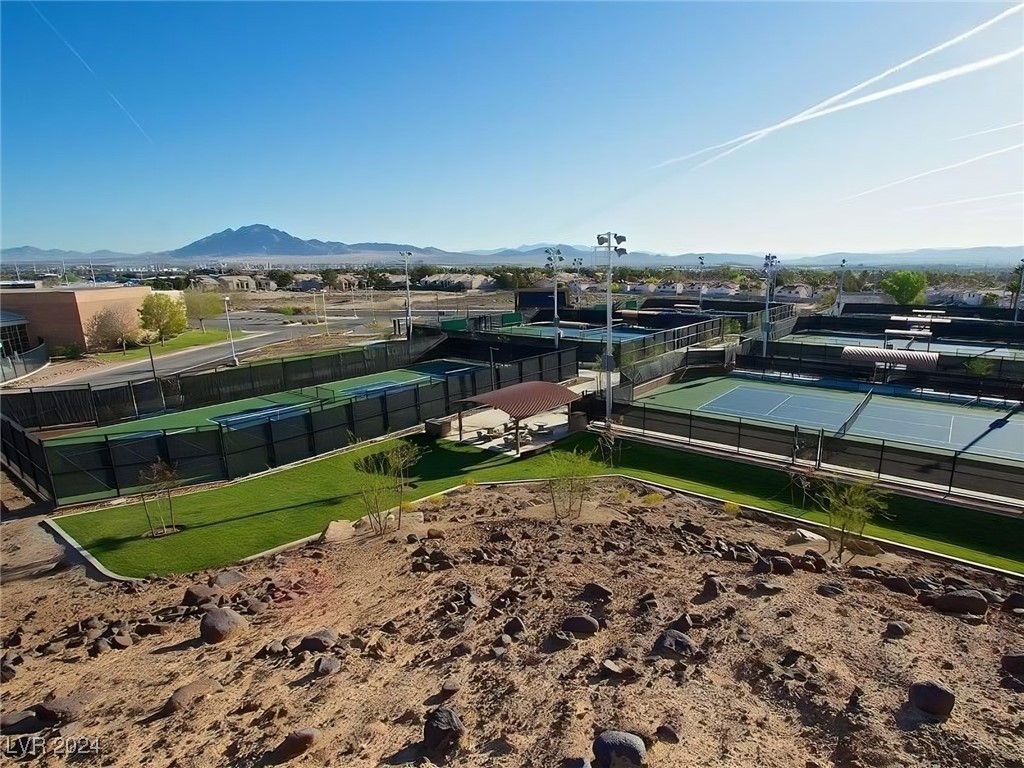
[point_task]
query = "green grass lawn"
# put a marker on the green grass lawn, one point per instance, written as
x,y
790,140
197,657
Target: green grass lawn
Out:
x,y
226,524
186,340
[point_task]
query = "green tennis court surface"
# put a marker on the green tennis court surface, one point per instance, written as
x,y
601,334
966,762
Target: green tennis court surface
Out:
x,y
237,414
976,430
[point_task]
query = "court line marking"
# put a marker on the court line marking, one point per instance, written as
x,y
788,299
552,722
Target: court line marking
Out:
x,y
719,397
951,429
780,405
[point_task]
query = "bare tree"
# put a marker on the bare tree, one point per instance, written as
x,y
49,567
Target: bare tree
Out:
x,y
113,327
162,478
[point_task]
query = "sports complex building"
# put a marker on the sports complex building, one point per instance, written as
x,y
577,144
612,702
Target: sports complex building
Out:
x,y
915,397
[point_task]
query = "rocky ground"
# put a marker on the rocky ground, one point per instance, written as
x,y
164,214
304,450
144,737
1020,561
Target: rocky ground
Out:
x,y
648,631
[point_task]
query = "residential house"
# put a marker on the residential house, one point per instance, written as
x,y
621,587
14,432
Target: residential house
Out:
x,y
448,282
668,287
970,298
205,283
307,282
721,289
793,293
235,283
264,283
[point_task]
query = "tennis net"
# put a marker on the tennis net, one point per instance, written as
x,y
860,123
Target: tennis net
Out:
x,y
856,412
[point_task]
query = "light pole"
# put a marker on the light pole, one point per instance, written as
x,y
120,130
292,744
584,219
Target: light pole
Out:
x,y
1020,285
700,286
231,338
406,255
839,295
771,269
553,259
491,351
612,243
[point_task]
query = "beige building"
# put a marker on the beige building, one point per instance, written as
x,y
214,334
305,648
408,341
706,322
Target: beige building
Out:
x,y
60,316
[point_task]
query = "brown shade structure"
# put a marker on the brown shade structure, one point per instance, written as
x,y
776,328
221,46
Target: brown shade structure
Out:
x,y
520,401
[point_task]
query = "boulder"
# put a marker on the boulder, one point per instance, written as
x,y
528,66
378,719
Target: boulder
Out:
x,y
198,594
63,709
442,732
782,566
519,572
899,584
619,749
673,644
580,625
321,640
515,627
18,723
184,696
1013,662
713,587
803,536
295,743
220,624
1014,601
932,698
667,734
831,589
968,601
595,591
226,579
897,629
435,533
326,665
337,530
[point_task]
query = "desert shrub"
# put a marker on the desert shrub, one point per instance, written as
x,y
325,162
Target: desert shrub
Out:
x,y
570,473
731,508
439,501
71,352
623,494
654,498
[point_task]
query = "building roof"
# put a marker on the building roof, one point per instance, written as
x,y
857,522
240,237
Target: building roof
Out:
x,y
8,318
520,401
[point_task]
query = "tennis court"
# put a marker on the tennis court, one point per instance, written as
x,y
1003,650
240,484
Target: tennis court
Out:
x,y
238,414
977,430
962,348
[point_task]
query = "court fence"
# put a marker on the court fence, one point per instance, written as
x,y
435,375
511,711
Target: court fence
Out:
x,y
818,448
72,469
91,405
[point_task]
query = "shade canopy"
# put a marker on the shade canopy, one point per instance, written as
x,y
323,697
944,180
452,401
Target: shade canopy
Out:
x,y
520,401
912,359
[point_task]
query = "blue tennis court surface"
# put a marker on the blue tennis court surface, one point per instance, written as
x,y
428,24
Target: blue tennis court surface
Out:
x,y
982,431
577,332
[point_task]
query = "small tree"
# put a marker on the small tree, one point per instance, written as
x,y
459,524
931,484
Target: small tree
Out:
x,y
282,278
201,305
163,316
850,508
376,488
570,473
904,286
113,327
980,366
162,478
399,459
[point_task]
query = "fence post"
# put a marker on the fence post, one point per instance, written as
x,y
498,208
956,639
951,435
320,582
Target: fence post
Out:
x,y
739,434
821,441
952,472
881,457
269,432
110,465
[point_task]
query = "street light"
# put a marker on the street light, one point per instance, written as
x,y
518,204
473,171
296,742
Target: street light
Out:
x,y
612,243
700,287
406,255
839,295
553,259
770,271
227,314
1020,285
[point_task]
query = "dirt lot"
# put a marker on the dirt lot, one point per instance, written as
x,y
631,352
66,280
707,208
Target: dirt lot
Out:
x,y
780,669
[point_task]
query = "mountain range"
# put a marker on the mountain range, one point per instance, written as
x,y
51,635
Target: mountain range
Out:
x,y
262,243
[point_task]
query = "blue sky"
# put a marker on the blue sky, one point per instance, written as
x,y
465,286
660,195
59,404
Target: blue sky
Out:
x,y
479,125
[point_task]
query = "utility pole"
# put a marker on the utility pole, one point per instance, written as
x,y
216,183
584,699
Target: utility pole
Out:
x,y
491,353
771,268
839,295
231,338
612,243
700,286
408,301
554,258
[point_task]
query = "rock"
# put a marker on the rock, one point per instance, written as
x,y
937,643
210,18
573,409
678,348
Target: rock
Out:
x,y
519,572
1013,662
120,642
220,624
694,528
17,723
618,749
932,698
782,566
831,589
442,732
450,687
968,601
617,669
198,594
1013,601
326,665
713,587
226,579
435,533
993,597
321,640
295,743
899,584
152,628
412,538
515,628
667,734
337,530
897,629
673,644
803,536
595,591
762,566
183,697
7,673
580,625
63,709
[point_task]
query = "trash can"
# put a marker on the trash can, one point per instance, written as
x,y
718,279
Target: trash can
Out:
x,y
577,421
437,428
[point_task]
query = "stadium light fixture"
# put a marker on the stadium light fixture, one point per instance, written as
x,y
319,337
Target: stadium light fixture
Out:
x,y
612,243
231,338
554,258
770,272
406,255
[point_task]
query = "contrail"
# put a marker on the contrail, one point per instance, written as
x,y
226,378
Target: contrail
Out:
x,y
913,85
990,130
755,135
964,200
934,171
93,73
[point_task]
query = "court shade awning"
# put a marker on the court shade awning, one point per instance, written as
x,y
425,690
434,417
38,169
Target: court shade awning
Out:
x,y
521,401
928,361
